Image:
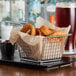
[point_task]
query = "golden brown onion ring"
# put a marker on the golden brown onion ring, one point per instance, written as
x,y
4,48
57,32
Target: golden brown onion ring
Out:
x,y
46,31
58,33
38,32
27,28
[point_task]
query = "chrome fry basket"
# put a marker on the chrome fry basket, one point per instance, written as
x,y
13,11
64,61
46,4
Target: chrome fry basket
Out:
x,y
51,48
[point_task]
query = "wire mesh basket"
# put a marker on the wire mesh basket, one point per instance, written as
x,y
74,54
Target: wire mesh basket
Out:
x,y
51,48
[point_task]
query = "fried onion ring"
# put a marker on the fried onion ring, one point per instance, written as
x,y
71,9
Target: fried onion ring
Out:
x,y
58,33
46,31
38,32
27,28
58,39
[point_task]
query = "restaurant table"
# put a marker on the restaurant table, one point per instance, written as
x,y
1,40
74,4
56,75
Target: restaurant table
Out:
x,y
17,71
32,64
16,67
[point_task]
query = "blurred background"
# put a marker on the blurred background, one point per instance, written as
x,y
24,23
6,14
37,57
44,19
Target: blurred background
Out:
x,y
18,12
10,10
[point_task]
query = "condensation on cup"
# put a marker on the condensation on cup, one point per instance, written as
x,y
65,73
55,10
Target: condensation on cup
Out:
x,y
5,31
65,16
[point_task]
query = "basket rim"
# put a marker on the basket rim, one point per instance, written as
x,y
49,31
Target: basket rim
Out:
x,y
56,36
